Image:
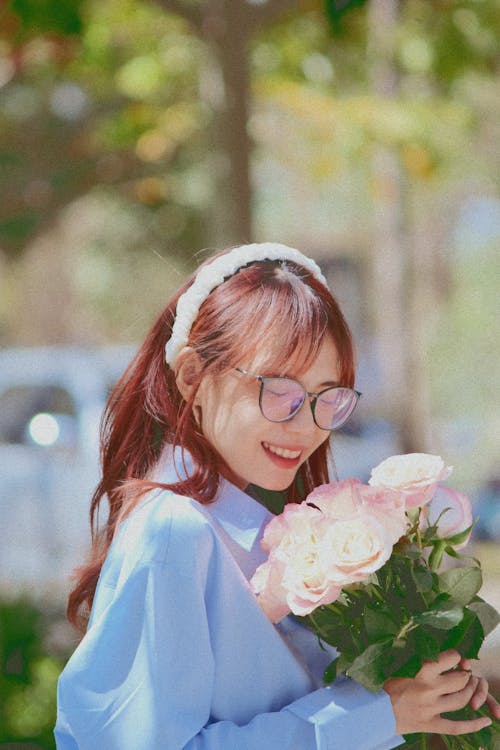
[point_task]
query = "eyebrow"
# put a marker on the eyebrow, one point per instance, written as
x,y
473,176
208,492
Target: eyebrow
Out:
x,y
325,384
329,384
321,386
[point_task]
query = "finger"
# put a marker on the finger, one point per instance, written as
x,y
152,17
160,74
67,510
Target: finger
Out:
x,y
466,664
446,660
447,726
459,699
452,682
494,706
480,694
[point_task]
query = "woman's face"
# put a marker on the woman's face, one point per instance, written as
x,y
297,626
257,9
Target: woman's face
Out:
x,y
250,444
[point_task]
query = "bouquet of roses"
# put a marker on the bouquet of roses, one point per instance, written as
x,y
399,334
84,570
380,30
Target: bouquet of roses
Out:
x,y
362,566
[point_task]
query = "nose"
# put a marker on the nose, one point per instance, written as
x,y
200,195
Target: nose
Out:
x,y
302,421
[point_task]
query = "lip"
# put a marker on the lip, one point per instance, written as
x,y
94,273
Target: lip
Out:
x,y
284,463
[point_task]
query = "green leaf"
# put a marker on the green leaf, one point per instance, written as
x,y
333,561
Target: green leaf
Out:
x,y
467,637
338,666
423,579
462,584
413,553
345,661
488,616
367,669
444,618
395,658
330,627
413,741
379,625
461,537
426,646
330,673
411,667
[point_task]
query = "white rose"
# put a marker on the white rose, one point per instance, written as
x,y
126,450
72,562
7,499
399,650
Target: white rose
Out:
x,y
306,578
355,548
414,474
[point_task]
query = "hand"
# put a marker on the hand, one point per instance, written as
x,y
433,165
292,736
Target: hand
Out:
x,y
481,694
439,687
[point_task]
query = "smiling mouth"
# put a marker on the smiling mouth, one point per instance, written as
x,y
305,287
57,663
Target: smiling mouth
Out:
x,y
282,452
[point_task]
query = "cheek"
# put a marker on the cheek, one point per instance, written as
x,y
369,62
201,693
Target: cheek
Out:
x,y
321,438
216,426
208,401
226,415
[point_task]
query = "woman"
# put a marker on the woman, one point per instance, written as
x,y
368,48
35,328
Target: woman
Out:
x,y
177,653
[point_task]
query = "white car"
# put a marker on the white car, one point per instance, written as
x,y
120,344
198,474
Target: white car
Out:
x,y
51,401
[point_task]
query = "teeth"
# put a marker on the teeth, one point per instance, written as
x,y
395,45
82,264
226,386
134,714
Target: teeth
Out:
x,y
283,452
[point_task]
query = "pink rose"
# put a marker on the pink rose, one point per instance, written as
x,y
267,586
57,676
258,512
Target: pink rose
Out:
x,y
306,578
355,548
305,566
266,584
346,499
388,507
336,499
341,534
414,474
295,576
456,513
290,521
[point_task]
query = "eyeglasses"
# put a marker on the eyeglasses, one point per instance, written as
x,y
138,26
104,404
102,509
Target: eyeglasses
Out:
x,y
280,399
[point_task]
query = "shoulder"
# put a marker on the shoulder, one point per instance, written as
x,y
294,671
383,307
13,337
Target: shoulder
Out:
x,y
165,524
166,540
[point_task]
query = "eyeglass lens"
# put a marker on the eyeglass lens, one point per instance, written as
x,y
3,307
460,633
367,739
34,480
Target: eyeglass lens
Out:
x,y
281,398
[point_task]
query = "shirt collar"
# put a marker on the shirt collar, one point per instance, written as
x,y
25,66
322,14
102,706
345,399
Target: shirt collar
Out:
x,y
241,517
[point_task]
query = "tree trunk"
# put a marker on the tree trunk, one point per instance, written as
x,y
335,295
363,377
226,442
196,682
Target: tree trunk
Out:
x,y
422,303
395,265
225,86
227,26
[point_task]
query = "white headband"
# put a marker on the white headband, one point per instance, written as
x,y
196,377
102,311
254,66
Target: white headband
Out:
x,y
214,273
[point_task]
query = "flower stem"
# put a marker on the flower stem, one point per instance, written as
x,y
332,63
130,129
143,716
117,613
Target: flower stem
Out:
x,y
419,540
410,625
316,627
376,593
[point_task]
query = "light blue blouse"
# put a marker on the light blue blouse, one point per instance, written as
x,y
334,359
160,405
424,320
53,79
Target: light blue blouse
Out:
x,y
178,654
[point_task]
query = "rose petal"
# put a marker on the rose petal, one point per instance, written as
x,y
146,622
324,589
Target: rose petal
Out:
x,y
337,499
457,515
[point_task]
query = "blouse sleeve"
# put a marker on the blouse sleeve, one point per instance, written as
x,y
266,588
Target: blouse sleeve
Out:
x,y
143,676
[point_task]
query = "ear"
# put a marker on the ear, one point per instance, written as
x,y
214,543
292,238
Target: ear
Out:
x,y
187,371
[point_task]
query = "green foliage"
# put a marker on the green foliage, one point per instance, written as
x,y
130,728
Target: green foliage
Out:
x,y
116,104
134,64
407,614
461,584
335,10
49,16
28,677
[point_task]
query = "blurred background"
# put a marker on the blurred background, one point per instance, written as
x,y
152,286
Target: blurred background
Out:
x,y
135,136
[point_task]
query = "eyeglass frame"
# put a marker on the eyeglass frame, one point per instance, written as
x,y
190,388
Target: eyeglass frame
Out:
x,y
313,397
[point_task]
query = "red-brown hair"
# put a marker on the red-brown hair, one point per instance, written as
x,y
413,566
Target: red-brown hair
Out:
x,y
275,308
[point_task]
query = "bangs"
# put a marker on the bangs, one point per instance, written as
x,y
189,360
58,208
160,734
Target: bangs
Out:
x,y
287,330
273,318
